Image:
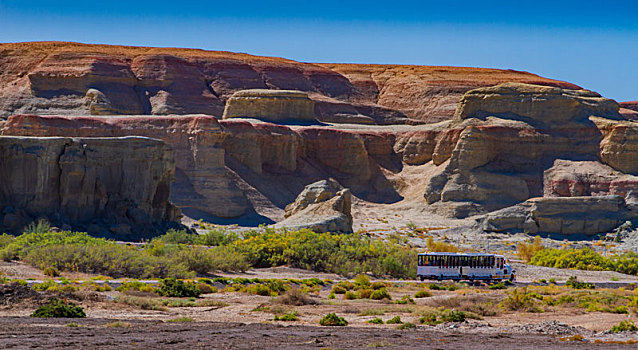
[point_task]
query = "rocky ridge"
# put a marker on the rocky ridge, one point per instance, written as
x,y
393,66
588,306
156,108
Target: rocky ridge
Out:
x,y
59,78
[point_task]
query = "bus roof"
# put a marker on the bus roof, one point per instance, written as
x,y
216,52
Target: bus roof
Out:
x,y
459,254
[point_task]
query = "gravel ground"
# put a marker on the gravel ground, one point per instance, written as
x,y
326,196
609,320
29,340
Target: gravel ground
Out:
x,y
27,333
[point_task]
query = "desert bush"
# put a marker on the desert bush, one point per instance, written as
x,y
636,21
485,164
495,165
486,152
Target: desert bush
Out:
x,y
499,285
362,281
51,271
107,258
624,326
295,297
136,285
394,320
380,294
378,285
586,259
364,293
205,288
452,316
349,295
574,283
23,244
143,303
326,252
58,308
290,316
181,319
171,287
405,300
520,300
332,319
434,246
375,320
406,326
228,259
525,251
422,294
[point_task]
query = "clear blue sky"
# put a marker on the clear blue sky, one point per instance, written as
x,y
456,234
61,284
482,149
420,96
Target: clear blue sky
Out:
x,y
590,43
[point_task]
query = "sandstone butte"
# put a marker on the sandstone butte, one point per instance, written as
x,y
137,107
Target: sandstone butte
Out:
x,y
453,141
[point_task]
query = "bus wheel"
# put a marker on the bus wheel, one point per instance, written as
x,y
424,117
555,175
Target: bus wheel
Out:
x,y
422,278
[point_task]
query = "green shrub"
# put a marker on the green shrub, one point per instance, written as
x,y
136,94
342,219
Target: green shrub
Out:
x,y
586,259
453,316
375,320
362,281
574,283
405,300
394,320
58,308
290,316
422,294
519,300
406,326
364,293
499,285
624,326
141,302
332,319
136,285
378,285
51,272
181,319
380,294
205,288
430,318
350,295
171,287
434,286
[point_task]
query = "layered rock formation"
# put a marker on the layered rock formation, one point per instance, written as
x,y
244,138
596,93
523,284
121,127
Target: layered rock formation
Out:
x,y
78,79
202,182
271,105
566,216
106,186
323,206
510,134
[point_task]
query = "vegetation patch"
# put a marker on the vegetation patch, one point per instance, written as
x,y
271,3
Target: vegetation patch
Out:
x,y
332,319
58,308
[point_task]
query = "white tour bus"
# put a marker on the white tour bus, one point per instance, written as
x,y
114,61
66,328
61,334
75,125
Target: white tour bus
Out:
x,y
457,266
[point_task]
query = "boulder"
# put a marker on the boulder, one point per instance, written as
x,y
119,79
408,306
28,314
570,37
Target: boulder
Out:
x,y
121,182
323,206
560,215
271,105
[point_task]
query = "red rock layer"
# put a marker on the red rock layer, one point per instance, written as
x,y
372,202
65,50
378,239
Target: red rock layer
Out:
x,y
78,79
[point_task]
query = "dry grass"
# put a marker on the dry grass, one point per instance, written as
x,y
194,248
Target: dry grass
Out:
x,y
482,305
296,297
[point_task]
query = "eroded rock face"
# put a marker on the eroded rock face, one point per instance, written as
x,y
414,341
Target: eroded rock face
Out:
x,y
510,133
561,215
202,182
323,206
107,186
57,78
541,106
271,105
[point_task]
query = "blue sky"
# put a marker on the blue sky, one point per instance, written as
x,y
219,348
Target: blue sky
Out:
x,y
590,43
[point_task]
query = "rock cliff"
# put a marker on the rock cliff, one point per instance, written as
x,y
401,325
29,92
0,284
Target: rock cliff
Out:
x,y
78,79
106,186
